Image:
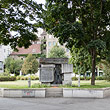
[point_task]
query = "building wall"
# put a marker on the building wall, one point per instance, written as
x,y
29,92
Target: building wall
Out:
x,y
5,51
52,41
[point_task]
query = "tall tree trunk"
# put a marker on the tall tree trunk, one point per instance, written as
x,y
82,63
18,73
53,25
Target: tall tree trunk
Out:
x,y
93,66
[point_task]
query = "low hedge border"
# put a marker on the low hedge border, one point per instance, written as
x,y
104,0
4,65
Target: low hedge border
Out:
x,y
7,78
88,78
27,77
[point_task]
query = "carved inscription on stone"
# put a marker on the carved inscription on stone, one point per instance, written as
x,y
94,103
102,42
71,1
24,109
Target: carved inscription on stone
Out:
x,y
47,74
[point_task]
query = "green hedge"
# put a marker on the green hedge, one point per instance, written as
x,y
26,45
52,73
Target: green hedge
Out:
x,y
7,78
100,78
74,78
27,77
81,78
88,78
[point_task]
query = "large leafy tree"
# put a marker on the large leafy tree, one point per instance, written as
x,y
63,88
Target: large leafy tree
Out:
x,y
81,60
57,52
13,65
16,26
82,23
30,65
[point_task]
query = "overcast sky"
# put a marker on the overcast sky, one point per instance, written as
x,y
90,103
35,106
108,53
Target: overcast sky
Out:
x,y
41,1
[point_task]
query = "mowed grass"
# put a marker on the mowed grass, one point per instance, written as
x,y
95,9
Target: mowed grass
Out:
x,y
22,84
87,84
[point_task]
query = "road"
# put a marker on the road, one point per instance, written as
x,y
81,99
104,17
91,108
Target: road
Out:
x,y
54,104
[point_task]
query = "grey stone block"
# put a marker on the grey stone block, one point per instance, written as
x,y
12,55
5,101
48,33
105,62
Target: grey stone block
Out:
x,y
54,92
40,93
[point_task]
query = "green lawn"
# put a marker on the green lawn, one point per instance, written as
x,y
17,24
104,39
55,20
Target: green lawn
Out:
x,y
16,84
24,84
87,84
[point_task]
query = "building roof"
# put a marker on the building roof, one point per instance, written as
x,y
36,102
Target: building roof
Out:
x,y
33,49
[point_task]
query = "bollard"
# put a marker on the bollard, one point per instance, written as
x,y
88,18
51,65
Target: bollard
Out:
x,y
29,82
79,81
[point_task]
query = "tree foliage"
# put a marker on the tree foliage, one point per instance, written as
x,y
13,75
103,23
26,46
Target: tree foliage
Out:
x,y
82,23
30,65
16,17
57,52
81,60
105,66
13,65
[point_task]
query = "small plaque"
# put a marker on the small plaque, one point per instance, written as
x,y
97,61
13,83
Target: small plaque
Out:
x,y
47,74
28,93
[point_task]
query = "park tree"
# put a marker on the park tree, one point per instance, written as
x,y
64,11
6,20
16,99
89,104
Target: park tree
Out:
x,y
82,24
16,26
81,60
30,65
13,65
57,52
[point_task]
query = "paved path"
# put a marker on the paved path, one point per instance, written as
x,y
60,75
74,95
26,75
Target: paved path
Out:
x,y
54,104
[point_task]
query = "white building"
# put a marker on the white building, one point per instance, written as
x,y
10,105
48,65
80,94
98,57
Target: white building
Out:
x,y
52,41
5,51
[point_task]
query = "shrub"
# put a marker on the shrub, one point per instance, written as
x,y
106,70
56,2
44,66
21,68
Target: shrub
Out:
x,y
36,78
37,85
7,78
22,78
88,78
100,78
81,78
27,77
74,78
18,77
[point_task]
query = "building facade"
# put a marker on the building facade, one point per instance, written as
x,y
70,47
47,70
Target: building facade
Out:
x,y
52,41
5,51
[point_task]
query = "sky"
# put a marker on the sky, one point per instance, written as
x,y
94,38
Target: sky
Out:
x,y
40,1
39,30
43,2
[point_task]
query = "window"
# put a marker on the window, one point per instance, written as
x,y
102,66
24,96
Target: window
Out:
x,y
54,43
49,43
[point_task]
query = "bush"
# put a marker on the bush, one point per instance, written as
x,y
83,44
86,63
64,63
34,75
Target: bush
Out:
x,y
18,77
100,78
27,77
74,78
22,78
7,78
37,85
88,78
81,78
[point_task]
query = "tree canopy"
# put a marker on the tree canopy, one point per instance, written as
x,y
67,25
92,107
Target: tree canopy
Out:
x,y
81,60
82,23
57,52
30,65
13,65
16,27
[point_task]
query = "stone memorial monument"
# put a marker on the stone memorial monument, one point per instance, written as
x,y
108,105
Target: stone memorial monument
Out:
x,y
55,71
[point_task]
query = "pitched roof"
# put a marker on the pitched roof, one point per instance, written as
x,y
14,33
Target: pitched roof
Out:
x,y
33,49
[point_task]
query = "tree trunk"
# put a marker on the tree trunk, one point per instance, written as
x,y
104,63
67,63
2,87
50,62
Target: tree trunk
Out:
x,y
93,66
